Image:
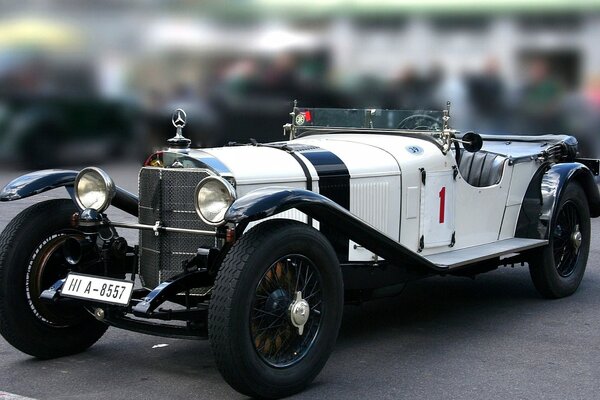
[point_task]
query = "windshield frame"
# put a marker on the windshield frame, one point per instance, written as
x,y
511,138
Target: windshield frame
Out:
x,y
440,133
369,118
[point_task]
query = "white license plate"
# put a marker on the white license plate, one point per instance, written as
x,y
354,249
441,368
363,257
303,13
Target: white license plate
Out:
x,y
104,290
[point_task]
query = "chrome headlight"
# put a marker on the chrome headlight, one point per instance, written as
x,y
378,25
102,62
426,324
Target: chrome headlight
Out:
x,y
94,189
213,198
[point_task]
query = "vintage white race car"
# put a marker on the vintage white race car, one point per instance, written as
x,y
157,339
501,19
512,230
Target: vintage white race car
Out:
x,y
257,247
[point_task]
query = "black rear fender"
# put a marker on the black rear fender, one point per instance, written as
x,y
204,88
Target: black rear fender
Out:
x,y
544,193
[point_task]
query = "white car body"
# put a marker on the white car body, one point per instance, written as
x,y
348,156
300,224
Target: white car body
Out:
x,y
257,247
386,190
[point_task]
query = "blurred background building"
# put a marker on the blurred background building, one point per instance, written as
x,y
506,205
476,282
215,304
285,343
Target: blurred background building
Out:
x,y
80,81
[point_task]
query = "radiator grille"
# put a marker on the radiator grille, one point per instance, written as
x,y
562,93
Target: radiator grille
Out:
x,y
167,195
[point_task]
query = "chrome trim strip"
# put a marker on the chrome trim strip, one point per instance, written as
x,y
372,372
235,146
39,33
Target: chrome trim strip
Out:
x,y
158,228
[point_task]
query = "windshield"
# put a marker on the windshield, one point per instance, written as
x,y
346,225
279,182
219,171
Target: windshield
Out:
x,y
306,119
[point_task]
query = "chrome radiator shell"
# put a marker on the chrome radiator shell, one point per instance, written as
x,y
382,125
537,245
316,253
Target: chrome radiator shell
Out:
x,y
167,195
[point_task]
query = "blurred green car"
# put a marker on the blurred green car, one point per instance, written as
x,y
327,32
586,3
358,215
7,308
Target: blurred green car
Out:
x,y
38,131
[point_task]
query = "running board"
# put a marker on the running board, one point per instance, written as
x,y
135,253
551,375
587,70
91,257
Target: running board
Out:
x,y
470,255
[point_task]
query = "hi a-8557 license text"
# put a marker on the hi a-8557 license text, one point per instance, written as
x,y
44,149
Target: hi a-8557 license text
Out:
x,y
104,290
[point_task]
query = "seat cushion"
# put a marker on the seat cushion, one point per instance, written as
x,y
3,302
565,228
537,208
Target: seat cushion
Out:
x,y
481,168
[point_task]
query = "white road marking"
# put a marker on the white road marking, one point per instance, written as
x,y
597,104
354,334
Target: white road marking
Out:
x,y
10,396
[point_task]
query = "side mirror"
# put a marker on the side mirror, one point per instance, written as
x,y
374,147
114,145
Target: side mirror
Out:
x,y
472,142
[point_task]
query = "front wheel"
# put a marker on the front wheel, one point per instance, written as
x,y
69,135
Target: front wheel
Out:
x,y
557,269
276,309
31,260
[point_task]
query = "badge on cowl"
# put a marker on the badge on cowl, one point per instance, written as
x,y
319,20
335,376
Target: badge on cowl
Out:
x,y
179,121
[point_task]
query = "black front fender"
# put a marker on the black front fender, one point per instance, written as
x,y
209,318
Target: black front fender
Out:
x,y
544,194
38,182
266,202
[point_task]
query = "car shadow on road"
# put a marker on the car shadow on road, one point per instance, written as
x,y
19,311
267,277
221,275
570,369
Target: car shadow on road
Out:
x,y
448,303
428,314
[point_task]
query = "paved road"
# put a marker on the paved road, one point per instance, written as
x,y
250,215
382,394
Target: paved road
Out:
x,y
443,338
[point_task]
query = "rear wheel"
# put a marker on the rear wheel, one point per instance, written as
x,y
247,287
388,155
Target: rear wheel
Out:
x,y
31,261
557,269
276,309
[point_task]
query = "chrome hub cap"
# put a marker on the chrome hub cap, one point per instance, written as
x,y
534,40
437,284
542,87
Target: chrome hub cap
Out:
x,y
576,238
299,312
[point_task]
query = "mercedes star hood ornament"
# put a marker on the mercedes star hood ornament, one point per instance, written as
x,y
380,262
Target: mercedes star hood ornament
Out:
x,y
179,119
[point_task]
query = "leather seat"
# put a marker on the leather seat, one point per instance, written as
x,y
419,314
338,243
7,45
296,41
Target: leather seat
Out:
x,y
481,168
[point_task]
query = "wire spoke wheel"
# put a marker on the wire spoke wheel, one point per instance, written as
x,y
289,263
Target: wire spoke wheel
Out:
x,y
280,337
557,269
276,309
567,239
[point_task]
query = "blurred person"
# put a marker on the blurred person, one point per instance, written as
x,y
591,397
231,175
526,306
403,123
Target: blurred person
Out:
x,y
238,78
253,99
27,74
487,98
540,100
591,100
451,87
409,91
153,101
581,111
592,93
369,92
281,79
313,77
577,121
433,91
289,77
301,76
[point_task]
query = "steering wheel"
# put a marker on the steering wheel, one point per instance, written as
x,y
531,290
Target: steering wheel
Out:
x,y
419,122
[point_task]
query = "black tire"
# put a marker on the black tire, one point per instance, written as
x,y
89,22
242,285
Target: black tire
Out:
x,y
557,269
291,248
29,263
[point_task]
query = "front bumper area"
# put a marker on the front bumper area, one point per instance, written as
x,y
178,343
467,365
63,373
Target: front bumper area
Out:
x,y
145,306
181,313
